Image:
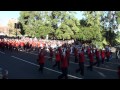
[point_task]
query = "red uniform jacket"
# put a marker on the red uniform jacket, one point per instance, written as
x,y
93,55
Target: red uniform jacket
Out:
x,y
103,54
67,52
2,44
83,49
108,54
64,62
16,44
91,57
81,57
60,50
76,52
57,55
88,51
97,54
51,52
22,44
41,58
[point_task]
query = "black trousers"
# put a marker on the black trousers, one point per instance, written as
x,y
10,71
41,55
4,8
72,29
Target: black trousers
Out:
x,y
97,62
108,58
91,66
103,59
3,48
68,58
41,67
64,73
10,48
57,63
51,57
76,60
81,68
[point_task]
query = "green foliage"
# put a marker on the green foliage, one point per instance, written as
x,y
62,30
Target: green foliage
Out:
x,y
118,16
63,25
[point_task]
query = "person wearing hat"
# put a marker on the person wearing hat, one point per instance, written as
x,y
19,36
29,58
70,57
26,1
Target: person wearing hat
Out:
x,y
91,57
97,58
68,54
76,54
51,53
57,63
41,60
81,63
64,67
103,55
108,55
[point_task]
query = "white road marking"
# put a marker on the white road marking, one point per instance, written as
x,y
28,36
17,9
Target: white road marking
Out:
x,y
70,56
113,63
98,67
44,67
2,52
103,75
85,65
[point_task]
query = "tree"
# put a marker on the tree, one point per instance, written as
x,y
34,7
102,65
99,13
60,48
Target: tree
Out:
x,y
68,27
91,29
110,25
33,22
12,30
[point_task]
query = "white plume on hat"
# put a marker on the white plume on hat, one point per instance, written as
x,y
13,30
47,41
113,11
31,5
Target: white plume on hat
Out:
x,y
103,49
63,53
91,51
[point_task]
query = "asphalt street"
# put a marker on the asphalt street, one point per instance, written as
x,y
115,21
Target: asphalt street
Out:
x,y
23,65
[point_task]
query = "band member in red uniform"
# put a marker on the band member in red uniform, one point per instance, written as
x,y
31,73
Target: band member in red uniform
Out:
x,y
60,51
91,57
51,53
76,55
88,51
103,56
81,63
68,54
97,58
16,46
2,45
108,55
64,67
57,56
41,60
22,45
10,46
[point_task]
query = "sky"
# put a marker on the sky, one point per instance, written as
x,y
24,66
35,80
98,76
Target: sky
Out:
x,y
6,15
